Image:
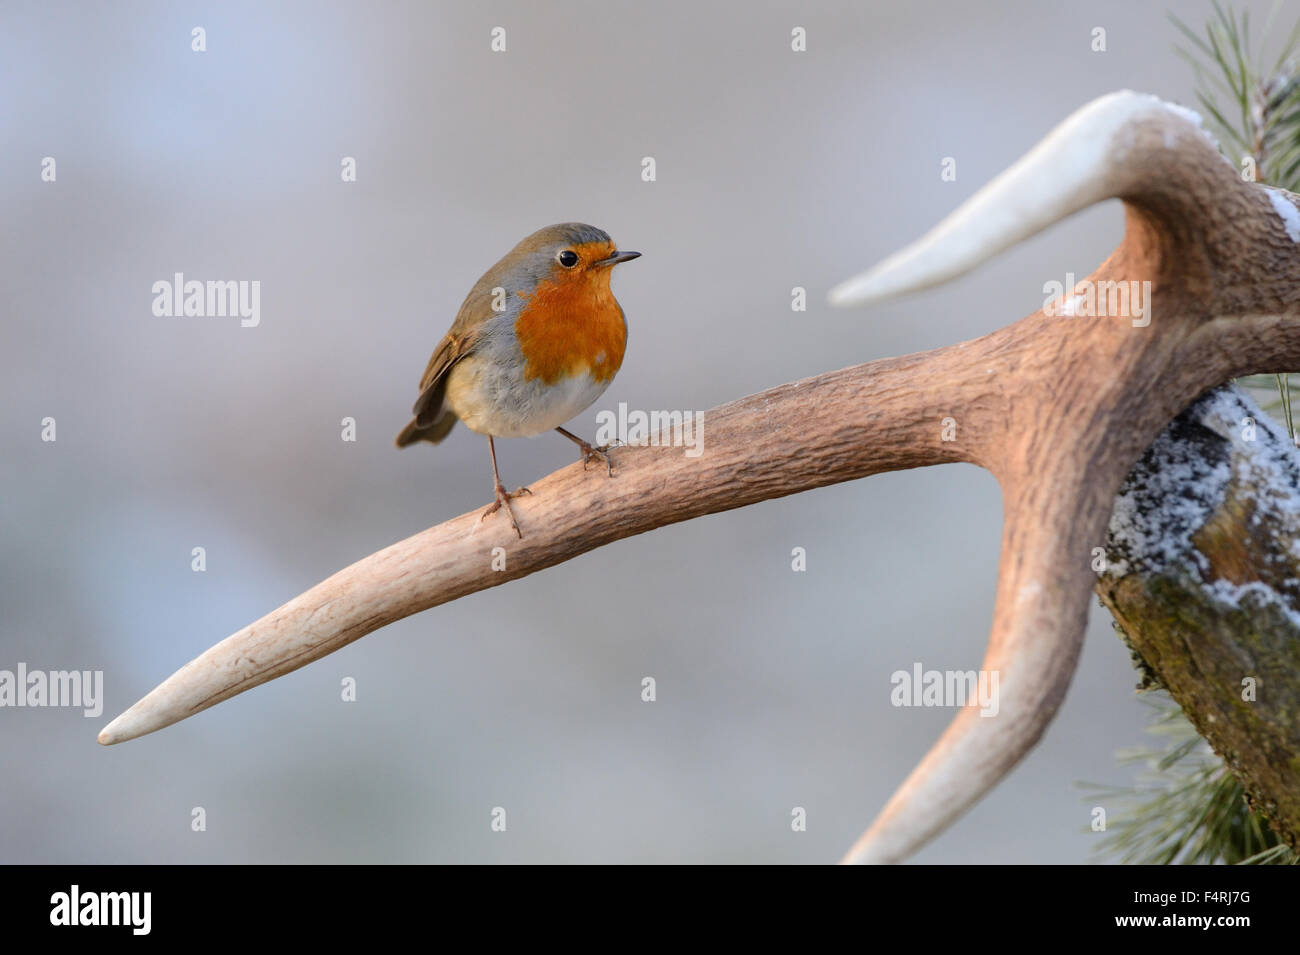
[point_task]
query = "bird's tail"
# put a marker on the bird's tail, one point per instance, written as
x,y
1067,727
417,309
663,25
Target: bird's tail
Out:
x,y
432,432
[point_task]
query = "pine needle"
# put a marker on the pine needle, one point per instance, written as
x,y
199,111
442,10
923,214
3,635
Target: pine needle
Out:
x,y
1186,808
1265,105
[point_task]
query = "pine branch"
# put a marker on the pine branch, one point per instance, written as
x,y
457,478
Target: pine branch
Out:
x,y
1192,809
1187,808
1266,104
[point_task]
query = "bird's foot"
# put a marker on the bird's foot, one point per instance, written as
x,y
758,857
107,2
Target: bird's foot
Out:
x,y
503,500
590,453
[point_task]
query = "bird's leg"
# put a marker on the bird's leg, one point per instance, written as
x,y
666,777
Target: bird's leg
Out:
x,y
503,496
588,452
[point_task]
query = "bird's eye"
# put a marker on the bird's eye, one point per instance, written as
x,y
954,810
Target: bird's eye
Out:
x,y
568,258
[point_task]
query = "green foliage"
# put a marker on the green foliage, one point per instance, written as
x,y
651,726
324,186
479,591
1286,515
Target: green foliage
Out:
x,y
1255,112
1276,394
1187,808
1264,104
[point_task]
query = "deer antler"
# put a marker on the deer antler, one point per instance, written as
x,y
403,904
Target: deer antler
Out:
x,y
1089,394
1057,407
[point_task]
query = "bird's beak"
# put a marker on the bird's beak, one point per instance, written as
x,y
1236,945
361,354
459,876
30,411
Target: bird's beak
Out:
x,y
616,258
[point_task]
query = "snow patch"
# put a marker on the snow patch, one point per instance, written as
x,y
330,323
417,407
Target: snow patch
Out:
x,y
1191,115
1183,480
1287,212
1194,118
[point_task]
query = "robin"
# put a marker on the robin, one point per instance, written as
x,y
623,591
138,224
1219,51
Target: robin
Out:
x,y
536,341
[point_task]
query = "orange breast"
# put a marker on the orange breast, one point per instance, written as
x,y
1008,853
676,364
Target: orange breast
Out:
x,y
570,325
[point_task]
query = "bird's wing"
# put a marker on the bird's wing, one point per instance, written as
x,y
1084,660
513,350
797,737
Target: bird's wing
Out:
x,y
433,386
475,315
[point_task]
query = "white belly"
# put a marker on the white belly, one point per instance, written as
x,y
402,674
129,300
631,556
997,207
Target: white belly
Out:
x,y
496,401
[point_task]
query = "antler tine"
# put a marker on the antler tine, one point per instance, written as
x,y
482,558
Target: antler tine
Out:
x,y
1038,625
1080,163
759,447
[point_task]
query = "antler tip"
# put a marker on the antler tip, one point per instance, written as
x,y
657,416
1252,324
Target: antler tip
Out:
x,y
144,717
1077,164
859,290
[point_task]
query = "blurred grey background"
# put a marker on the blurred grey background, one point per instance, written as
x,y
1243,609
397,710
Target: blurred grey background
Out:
x,y
775,169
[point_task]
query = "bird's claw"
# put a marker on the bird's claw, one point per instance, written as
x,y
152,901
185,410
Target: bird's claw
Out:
x,y
503,500
601,453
